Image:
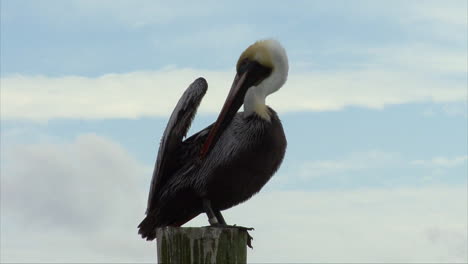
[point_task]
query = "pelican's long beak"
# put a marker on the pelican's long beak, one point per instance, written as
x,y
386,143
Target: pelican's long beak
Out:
x,y
233,102
248,75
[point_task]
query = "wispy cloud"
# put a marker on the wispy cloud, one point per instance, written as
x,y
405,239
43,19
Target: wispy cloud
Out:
x,y
442,162
364,71
358,170
451,13
420,58
117,13
451,110
357,161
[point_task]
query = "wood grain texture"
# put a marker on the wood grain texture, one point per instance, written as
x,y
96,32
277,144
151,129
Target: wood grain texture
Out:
x,y
201,245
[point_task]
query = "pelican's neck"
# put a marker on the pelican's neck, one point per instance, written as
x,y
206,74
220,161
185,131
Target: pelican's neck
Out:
x,y
254,100
254,103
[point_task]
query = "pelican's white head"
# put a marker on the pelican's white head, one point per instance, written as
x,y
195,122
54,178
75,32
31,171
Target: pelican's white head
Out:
x,y
266,62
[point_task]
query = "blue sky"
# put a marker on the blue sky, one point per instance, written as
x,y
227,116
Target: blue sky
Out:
x,y
374,111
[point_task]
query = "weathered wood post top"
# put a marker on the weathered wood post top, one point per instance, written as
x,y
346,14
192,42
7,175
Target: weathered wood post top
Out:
x,y
202,245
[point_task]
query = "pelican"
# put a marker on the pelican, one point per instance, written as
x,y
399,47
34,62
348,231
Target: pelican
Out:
x,y
229,161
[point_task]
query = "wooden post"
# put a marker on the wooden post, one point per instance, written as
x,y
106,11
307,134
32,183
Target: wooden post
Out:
x,y
201,245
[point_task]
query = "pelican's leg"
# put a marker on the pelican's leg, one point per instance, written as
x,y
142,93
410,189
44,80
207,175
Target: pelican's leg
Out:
x,y
220,217
209,212
216,219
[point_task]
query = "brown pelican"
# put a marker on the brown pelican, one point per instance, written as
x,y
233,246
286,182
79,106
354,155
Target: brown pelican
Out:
x,y
229,161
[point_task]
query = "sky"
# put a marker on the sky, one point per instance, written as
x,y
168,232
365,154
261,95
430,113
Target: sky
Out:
x,y
374,111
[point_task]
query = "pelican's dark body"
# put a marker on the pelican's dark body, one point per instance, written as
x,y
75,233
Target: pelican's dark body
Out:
x,y
246,155
244,159
255,149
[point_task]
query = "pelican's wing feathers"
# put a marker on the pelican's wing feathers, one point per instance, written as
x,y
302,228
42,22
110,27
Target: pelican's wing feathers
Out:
x,y
176,129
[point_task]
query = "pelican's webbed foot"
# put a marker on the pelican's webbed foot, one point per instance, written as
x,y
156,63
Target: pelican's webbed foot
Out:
x,y
243,228
246,229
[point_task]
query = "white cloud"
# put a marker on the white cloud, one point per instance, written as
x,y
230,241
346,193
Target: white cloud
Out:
x,y
71,202
81,201
138,94
442,162
66,179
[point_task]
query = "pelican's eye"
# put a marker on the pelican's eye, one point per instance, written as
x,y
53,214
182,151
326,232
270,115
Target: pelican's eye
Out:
x,y
255,71
243,65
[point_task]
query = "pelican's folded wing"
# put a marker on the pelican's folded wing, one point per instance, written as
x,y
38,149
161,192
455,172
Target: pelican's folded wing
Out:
x,y
176,129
